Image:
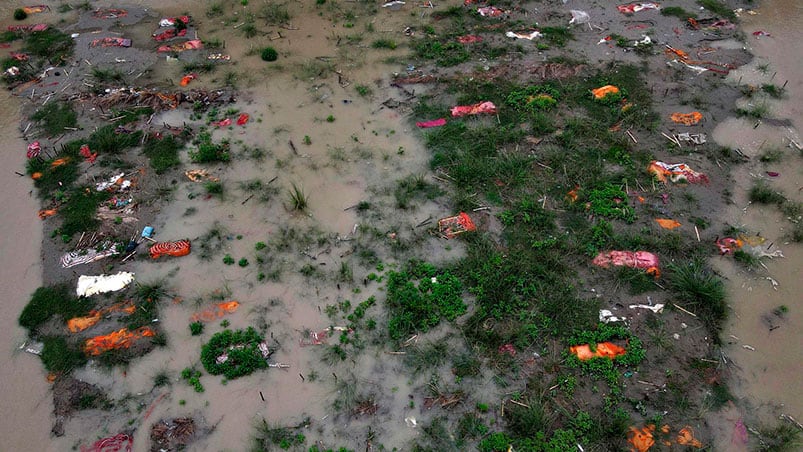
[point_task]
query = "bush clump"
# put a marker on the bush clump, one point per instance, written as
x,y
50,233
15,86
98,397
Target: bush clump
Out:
x,y
420,297
269,54
50,301
20,14
233,353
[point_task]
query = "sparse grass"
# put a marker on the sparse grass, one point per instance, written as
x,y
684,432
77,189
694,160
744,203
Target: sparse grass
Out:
x,y
55,117
299,200
52,301
701,291
678,12
108,75
413,187
762,193
163,153
109,140
771,156
384,44
782,437
720,9
78,212
215,9
363,90
208,151
773,91
757,111
51,44
60,356
274,13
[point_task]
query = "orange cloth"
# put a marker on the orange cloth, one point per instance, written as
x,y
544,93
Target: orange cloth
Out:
x,y
215,312
686,438
604,91
77,324
59,162
176,249
116,340
688,119
667,223
603,350
641,439
44,213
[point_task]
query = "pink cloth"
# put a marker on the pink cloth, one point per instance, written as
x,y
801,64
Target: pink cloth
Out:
x,y
469,39
633,259
481,107
431,123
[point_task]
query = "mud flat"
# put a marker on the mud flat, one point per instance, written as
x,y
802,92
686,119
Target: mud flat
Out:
x,y
304,294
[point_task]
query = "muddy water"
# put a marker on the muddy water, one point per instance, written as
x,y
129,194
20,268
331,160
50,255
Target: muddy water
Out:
x,y
764,348
25,395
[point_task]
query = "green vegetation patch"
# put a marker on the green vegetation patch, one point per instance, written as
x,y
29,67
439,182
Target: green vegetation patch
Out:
x,y
163,153
51,301
55,117
445,54
611,201
51,44
209,151
419,297
240,349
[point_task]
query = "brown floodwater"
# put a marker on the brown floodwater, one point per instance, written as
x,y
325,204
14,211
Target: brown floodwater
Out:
x,y
354,158
764,349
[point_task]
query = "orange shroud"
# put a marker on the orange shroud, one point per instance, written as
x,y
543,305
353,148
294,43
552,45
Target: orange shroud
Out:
x,y
117,340
176,249
603,350
688,119
215,312
604,91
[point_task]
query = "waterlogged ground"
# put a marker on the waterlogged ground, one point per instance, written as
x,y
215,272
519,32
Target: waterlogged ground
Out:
x,y
329,129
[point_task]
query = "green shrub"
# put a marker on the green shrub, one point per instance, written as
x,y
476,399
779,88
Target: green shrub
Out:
x,y
196,328
269,54
20,14
242,349
58,356
420,297
702,290
209,152
163,153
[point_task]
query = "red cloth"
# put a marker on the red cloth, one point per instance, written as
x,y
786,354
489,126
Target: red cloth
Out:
x,y
431,123
478,108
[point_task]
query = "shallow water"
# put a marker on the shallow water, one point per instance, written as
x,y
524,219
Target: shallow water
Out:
x,y
763,347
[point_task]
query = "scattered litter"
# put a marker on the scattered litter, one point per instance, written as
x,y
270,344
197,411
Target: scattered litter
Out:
x,y
176,249
171,21
667,223
147,232
604,91
645,41
722,24
749,347
478,108
111,42
222,123
90,285
114,181
469,39
243,119
88,255
34,348
606,316
431,123
758,34
215,311
218,57
602,350
507,349
109,13
773,173
688,119
686,438
696,138
636,7
194,44
676,172
198,175
491,11
169,34
761,251
120,339
727,245
632,259
119,442
393,5
579,17
34,149
451,227
411,422
88,155
35,9
530,36
320,337
656,308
